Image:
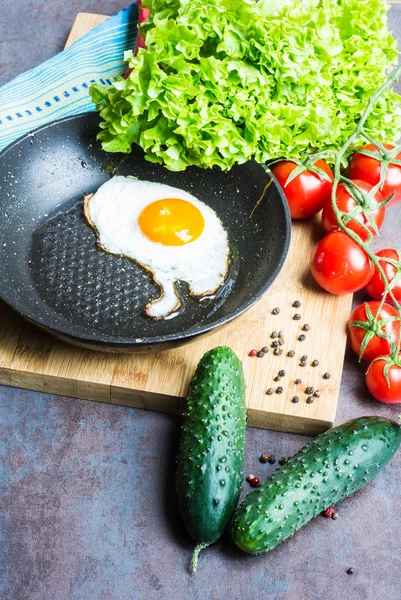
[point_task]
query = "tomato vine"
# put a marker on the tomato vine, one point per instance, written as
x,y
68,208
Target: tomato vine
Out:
x,y
344,219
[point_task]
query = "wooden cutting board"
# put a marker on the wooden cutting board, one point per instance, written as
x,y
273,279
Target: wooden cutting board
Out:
x,y
32,359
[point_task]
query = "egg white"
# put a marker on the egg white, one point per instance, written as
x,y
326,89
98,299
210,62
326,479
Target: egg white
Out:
x,y
113,213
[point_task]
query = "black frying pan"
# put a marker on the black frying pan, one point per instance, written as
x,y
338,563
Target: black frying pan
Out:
x,y
52,272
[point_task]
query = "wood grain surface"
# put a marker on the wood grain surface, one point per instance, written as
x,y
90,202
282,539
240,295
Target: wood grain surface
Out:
x,y
32,359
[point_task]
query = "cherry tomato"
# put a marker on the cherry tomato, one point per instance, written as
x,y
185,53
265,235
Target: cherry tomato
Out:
x,y
308,191
339,265
365,332
385,391
368,169
375,287
346,202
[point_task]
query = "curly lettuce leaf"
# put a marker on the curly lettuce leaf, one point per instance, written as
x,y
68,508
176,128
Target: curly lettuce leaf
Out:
x,y
225,81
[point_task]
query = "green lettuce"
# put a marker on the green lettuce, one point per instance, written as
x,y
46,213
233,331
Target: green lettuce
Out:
x,y
225,81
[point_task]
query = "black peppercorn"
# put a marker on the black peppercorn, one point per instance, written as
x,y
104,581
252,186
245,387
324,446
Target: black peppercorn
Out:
x,y
281,341
265,349
275,311
297,317
304,358
350,571
298,381
281,373
326,376
281,334
277,378
279,390
272,459
309,390
302,363
309,400
317,394
261,354
296,304
306,327
315,363
291,353
282,461
274,334
270,391
302,337
295,399
277,351
275,344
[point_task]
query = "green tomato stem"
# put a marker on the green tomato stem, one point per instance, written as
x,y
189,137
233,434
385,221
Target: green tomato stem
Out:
x,y
378,145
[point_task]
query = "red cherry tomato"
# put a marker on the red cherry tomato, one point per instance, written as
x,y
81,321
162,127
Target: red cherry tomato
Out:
x,y
375,288
385,391
368,169
365,332
308,191
346,202
339,265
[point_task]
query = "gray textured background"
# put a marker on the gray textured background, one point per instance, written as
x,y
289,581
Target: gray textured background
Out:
x,y
87,504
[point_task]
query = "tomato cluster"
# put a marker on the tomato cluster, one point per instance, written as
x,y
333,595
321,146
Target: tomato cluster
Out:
x,y
374,330
340,264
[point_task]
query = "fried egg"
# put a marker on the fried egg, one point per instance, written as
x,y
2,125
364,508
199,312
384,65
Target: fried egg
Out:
x,y
167,231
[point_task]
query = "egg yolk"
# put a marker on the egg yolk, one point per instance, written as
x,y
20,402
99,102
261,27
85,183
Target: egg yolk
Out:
x,y
171,221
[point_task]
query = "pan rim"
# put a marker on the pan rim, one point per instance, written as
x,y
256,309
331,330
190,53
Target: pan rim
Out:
x,y
99,340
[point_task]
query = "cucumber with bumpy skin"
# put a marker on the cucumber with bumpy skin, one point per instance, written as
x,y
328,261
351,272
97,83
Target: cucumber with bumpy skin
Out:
x,y
211,453
330,468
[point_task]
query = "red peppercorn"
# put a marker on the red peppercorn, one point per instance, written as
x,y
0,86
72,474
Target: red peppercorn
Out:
x,y
329,512
255,482
253,353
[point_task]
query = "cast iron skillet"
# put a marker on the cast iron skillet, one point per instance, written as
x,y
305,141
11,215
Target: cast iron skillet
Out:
x,y
52,273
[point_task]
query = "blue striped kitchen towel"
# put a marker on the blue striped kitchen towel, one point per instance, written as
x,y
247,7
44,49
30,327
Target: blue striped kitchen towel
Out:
x,y
59,87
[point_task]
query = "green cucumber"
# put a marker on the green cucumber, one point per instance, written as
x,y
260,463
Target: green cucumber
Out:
x,y
330,468
211,453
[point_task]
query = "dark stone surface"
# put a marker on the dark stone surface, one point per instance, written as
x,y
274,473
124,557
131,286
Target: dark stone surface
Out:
x,y
87,504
